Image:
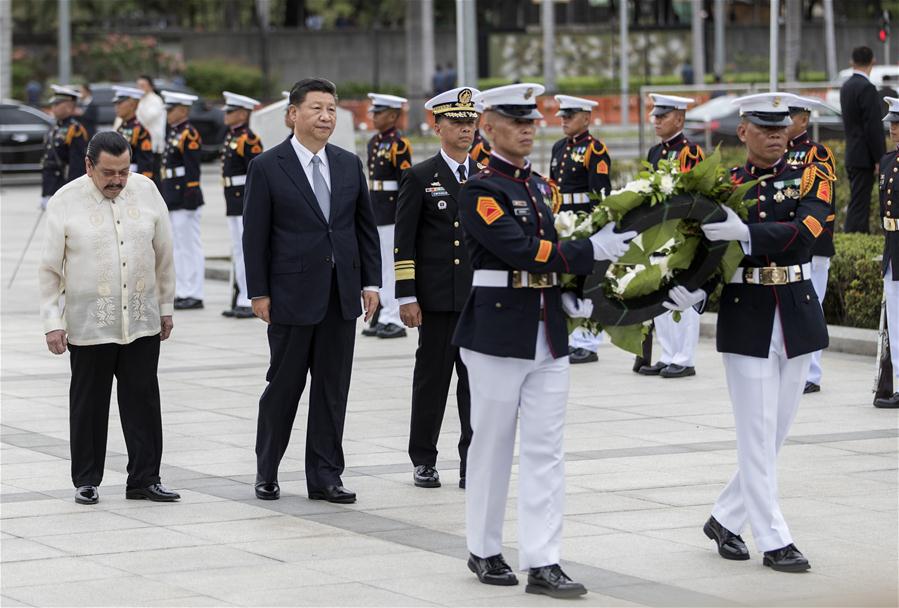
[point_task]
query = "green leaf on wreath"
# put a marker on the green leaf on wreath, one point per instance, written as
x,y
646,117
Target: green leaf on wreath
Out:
x,y
646,281
683,255
653,238
627,337
623,202
731,260
634,255
705,172
735,200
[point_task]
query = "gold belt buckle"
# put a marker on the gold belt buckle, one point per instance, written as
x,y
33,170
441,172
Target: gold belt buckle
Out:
x,y
773,276
889,224
539,281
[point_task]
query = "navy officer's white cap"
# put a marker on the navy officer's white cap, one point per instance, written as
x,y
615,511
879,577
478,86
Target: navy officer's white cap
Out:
x,y
61,93
233,101
806,104
568,105
513,100
172,98
381,102
285,94
126,93
893,110
766,109
455,104
662,104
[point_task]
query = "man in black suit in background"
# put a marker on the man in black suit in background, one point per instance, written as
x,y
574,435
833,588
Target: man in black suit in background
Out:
x,y
862,110
310,248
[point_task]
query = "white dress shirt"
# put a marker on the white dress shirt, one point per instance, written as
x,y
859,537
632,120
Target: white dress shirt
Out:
x,y
107,271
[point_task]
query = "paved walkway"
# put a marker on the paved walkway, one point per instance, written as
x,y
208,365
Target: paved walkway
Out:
x,y
646,459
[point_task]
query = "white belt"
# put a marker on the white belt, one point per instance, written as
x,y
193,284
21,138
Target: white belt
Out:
x,y
133,167
513,278
773,275
383,185
176,172
234,180
575,198
890,224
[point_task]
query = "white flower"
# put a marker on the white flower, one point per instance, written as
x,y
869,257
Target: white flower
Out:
x,y
585,227
640,186
565,222
662,263
627,277
666,184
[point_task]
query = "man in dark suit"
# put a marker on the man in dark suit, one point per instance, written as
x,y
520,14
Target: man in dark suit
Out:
x,y
861,109
310,248
433,278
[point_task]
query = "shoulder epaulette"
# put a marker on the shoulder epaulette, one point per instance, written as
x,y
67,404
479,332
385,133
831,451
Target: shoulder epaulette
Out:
x,y
76,129
810,173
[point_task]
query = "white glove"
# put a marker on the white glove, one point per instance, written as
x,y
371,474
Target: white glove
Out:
x,y
576,308
610,245
731,229
42,206
683,298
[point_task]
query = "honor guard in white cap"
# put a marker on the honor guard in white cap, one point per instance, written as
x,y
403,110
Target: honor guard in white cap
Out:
x,y
240,147
65,145
389,155
770,322
181,191
802,150
678,339
513,340
480,147
581,167
887,394
433,278
126,100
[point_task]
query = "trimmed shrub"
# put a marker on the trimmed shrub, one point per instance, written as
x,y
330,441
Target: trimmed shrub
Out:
x,y
210,77
855,284
360,90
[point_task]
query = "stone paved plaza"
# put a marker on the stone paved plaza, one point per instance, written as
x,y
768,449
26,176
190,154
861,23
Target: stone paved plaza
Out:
x,y
645,460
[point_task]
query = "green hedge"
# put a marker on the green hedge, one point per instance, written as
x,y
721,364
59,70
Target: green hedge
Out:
x,y
210,77
360,90
855,283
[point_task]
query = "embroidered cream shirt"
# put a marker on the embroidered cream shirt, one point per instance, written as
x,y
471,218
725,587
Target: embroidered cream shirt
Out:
x,y
107,271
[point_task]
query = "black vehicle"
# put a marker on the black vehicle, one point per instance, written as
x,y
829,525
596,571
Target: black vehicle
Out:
x,y
22,131
208,120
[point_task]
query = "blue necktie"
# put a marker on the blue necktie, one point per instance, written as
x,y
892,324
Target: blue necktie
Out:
x,y
322,194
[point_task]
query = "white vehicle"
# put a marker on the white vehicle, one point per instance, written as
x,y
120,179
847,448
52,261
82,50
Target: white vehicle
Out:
x,y
877,74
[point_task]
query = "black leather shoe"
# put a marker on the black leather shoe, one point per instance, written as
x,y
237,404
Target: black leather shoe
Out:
x,y
155,492
392,330
677,371
786,559
462,482
188,304
426,476
582,355
243,312
552,581
492,570
652,370
87,495
228,313
372,330
811,387
730,545
338,494
638,363
268,490
888,402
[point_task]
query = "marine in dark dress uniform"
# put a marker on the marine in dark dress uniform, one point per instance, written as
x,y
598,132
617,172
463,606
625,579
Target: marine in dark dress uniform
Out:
x,y
65,145
126,100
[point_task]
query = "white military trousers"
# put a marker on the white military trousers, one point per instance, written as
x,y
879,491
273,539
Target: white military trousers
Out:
x,y
235,225
390,308
678,339
891,289
190,265
820,270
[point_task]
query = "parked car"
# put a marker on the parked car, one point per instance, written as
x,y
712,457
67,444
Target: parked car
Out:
x,y
22,132
207,118
715,122
876,77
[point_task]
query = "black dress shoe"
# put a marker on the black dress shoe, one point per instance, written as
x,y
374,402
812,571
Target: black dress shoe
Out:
x,y
338,494
228,313
243,312
268,490
188,304
888,402
786,559
372,330
652,370
730,545
492,570
552,581
392,330
155,492
426,476
811,387
677,371
582,355
87,495
462,482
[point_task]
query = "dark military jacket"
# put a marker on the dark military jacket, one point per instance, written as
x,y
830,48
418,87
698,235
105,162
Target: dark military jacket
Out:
x,y
141,146
580,164
792,206
889,211
507,215
678,149
800,151
480,149
240,147
389,154
181,168
430,253
65,147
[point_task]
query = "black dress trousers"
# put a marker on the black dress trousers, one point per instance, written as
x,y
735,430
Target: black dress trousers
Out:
x,y
434,361
860,183
134,366
325,349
